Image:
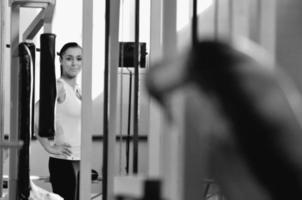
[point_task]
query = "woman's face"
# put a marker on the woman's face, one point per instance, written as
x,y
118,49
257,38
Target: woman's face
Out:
x,y
71,62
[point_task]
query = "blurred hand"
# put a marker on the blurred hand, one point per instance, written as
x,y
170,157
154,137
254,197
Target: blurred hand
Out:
x,y
62,149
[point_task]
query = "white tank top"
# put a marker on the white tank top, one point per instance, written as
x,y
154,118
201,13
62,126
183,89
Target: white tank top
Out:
x,y
68,121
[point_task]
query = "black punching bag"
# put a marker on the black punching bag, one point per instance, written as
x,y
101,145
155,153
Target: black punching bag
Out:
x,y
25,113
48,90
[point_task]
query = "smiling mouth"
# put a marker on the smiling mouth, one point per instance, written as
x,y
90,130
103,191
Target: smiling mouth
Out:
x,y
74,70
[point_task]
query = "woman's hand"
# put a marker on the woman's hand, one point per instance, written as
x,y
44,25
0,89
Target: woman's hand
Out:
x,y
62,149
55,149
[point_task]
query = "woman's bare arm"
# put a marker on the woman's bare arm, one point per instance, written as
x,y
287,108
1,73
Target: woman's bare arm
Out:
x,y
45,142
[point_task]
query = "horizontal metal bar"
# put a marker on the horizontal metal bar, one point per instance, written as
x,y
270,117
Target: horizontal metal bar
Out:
x,y
37,49
9,144
142,138
32,3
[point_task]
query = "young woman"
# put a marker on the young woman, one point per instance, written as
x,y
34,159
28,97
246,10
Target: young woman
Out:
x,y
64,150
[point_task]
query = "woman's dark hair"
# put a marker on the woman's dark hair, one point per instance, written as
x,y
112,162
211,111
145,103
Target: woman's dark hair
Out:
x,y
65,47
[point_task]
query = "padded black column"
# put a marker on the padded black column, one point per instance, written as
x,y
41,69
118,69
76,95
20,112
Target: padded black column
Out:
x,y
32,49
25,114
48,90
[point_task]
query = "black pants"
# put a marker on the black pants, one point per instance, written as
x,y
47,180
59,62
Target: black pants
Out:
x,y
64,177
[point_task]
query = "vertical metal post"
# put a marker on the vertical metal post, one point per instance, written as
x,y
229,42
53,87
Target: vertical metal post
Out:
x,y
136,89
14,96
255,20
86,137
2,46
170,143
231,19
216,19
129,123
110,113
156,116
106,102
113,81
194,23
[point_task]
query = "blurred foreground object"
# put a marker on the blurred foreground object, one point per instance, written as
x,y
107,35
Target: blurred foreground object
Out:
x,y
254,145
